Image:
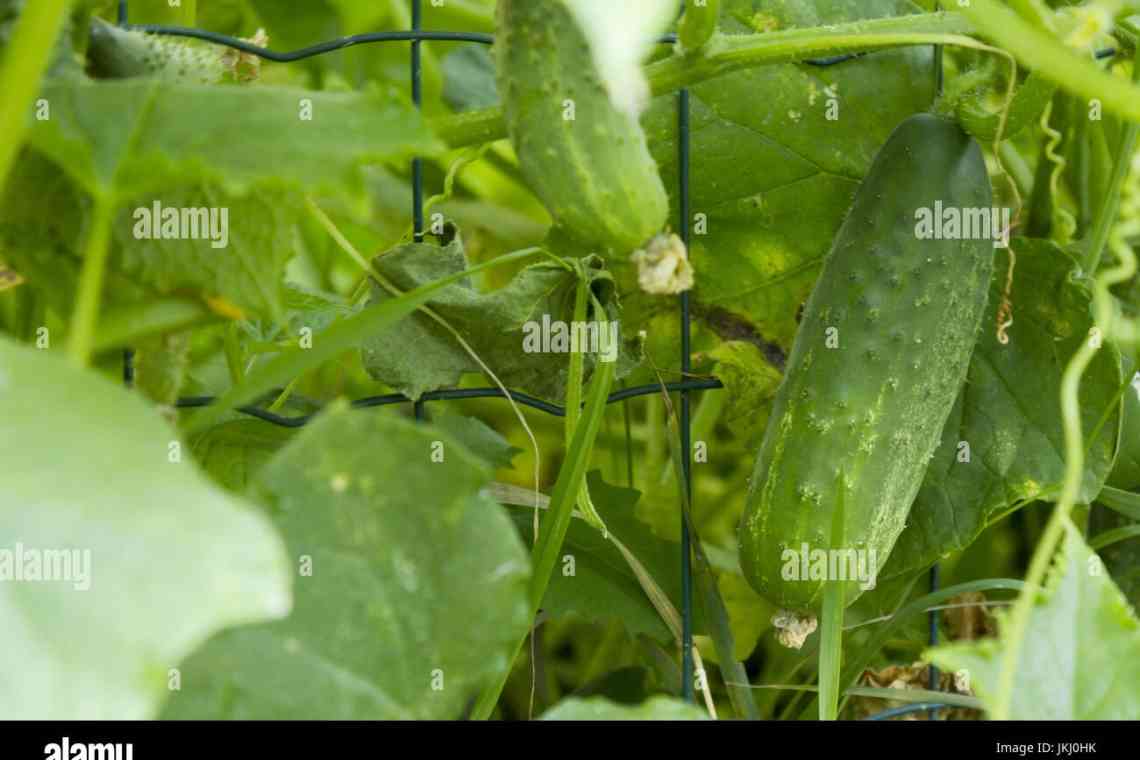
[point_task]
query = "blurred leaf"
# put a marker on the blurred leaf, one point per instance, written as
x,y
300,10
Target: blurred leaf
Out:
x,y
417,591
600,708
233,452
1008,413
470,78
170,558
1080,656
478,437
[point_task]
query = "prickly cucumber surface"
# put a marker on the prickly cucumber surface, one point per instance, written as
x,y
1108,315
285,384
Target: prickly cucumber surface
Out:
x,y
586,160
882,351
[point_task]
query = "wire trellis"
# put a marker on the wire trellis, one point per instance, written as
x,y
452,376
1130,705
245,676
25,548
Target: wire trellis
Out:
x,y
417,36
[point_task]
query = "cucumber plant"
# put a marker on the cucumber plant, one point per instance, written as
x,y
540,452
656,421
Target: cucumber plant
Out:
x,y
788,320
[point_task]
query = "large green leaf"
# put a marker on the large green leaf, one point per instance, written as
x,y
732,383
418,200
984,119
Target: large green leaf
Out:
x,y
171,558
600,708
135,136
417,590
1008,413
1080,657
771,173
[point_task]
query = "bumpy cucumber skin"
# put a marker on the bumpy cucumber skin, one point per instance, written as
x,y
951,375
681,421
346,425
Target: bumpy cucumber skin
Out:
x,y
908,312
593,173
115,53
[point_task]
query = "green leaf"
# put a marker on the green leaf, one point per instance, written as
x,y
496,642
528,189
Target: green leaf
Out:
x,y
1008,413
600,708
1078,660
470,78
603,587
136,136
171,558
417,590
479,437
775,182
43,221
233,452
502,326
750,382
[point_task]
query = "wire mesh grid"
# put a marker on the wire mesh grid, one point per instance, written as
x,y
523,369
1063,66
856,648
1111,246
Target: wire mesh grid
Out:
x,y
417,36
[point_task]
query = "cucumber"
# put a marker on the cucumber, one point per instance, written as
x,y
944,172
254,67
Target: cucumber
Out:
x,y
116,53
905,312
587,161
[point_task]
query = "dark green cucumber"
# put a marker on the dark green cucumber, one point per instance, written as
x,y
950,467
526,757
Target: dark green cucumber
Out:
x,y
879,358
587,161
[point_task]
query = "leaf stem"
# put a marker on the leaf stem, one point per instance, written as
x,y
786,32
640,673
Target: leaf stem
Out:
x,y
90,291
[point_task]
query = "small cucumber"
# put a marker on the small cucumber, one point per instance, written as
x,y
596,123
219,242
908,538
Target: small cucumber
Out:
x,y
115,53
879,358
587,161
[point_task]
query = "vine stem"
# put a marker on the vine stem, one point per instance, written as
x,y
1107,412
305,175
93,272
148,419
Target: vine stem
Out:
x,y
29,51
81,336
1105,328
725,53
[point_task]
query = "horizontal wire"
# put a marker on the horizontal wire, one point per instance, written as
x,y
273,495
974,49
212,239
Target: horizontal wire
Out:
x,y
370,37
371,402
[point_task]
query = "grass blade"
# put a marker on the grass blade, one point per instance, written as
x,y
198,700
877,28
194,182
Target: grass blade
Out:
x,y
831,636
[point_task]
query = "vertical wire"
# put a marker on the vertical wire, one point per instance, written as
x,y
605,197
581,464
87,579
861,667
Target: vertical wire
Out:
x,y
687,685
417,98
417,163
128,353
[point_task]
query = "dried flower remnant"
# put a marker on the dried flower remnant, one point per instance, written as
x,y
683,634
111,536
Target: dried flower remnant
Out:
x,y
663,266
